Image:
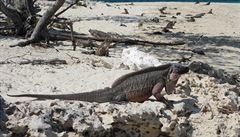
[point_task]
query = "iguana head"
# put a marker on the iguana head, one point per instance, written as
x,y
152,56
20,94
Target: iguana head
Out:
x,y
175,71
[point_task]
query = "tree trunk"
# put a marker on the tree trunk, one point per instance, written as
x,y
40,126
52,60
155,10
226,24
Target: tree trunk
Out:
x,y
41,26
44,21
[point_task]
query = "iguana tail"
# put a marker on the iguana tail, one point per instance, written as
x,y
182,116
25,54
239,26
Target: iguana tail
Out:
x,y
101,95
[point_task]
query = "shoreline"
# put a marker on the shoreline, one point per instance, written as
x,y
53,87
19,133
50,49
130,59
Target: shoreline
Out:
x,y
167,2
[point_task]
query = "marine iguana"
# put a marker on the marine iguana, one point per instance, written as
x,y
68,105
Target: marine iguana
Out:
x,y
134,87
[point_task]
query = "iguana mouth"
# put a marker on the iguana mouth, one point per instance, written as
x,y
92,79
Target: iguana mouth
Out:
x,y
174,76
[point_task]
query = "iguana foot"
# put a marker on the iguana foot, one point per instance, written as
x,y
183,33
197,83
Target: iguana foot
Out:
x,y
168,103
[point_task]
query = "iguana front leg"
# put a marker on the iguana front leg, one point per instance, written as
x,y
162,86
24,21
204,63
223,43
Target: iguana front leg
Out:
x,y
156,92
171,87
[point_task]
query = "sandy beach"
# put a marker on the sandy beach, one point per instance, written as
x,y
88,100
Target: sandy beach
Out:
x,y
218,34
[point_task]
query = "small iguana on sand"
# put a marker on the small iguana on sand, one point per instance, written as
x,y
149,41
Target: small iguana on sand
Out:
x,y
134,87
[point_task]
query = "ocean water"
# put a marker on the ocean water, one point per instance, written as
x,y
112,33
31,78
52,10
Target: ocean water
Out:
x,y
222,1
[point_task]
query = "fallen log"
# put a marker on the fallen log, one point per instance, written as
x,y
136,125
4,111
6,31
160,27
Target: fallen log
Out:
x,y
64,35
106,35
37,62
44,62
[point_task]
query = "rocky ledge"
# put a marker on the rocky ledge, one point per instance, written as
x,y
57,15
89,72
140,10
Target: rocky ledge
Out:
x,y
201,106
69,118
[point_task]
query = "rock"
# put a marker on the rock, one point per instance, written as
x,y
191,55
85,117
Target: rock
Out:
x,y
233,103
208,3
65,117
191,19
39,123
125,11
179,107
210,11
3,117
220,129
162,10
199,51
101,63
157,33
220,75
197,2
108,5
178,13
162,16
155,19
183,129
123,25
170,24
200,15
150,118
18,127
184,88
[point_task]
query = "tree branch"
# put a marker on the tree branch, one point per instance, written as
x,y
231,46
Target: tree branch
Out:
x,y
61,12
13,15
44,21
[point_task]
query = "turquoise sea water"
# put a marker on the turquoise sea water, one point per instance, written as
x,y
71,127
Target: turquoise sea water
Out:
x,y
222,1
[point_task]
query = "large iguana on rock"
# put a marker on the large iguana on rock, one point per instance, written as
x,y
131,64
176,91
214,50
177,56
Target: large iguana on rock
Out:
x,y
135,87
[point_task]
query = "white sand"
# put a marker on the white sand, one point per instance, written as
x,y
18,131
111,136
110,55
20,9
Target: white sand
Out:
x,y
221,30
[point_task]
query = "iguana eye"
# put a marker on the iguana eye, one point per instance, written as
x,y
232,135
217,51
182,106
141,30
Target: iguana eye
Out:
x,y
171,69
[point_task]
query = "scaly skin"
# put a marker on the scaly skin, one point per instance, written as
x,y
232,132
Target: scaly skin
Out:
x,y
135,87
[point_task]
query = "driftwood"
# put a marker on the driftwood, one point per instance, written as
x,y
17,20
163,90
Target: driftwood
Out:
x,y
100,50
103,50
86,43
184,59
44,62
42,29
106,35
37,62
63,35
162,10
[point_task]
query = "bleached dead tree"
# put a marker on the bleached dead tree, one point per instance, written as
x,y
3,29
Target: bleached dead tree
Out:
x,y
35,28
